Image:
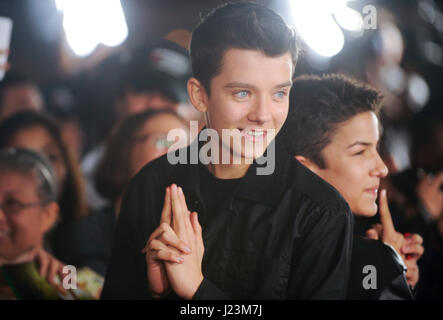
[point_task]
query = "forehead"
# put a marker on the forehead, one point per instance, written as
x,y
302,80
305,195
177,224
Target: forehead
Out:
x,y
254,67
17,180
362,127
33,137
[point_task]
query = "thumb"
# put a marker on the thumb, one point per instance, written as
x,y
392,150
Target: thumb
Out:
x,y
195,224
385,214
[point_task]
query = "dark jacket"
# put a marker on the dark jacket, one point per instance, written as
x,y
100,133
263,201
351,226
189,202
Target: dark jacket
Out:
x,y
287,235
388,270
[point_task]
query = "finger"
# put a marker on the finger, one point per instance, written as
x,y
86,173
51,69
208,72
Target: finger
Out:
x,y
414,238
414,250
385,215
372,234
195,223
166,234
159,251
43,261
52,270
378,228
178,221
187,218
166,212
171,239
163,227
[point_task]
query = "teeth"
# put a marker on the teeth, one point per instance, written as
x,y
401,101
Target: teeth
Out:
x,y
255,133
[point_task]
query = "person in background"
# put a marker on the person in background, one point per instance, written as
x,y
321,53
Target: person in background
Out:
x,y
154,78
135,141
28,210
38,132
333,130
19,93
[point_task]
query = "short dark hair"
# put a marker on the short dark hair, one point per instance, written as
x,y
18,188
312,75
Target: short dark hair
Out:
x,y
318,104
242,25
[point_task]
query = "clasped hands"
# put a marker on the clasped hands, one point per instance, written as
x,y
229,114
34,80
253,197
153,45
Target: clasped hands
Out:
x,y
174,251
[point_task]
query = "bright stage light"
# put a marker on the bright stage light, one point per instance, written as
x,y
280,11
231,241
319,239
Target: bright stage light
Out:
x,y
87,23
314,20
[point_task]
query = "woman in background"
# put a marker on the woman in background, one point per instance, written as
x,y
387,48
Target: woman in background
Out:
x,y
135,141
39,132
28,210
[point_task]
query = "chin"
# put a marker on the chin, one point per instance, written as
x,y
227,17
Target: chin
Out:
x,y
368,210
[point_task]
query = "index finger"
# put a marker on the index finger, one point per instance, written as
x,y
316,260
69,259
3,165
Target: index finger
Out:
x,y
385,214
178,219
166,212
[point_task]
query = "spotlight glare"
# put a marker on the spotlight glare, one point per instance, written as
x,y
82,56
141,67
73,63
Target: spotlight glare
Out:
x,y
87,23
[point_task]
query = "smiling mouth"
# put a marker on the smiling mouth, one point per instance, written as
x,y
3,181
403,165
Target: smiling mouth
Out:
x,y
254,134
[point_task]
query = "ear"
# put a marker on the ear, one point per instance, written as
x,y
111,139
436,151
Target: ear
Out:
x,y
197,95
308,164
49,216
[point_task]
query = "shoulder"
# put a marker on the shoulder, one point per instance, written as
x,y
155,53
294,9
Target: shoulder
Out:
x,y
314,189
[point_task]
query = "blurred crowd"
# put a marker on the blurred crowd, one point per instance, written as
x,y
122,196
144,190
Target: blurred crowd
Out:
x,y
133,98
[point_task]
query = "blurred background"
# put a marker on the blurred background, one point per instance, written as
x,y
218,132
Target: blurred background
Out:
x,y
90,63
74,50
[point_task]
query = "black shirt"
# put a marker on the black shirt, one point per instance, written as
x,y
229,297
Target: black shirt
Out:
x,y
287,235
213,189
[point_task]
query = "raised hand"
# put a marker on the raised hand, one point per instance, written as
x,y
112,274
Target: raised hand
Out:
x,y
410,247
388,233
185,278
413,250
163,245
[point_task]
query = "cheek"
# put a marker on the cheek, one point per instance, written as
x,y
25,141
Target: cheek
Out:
x,y
280,116
346,180
25,233
142,155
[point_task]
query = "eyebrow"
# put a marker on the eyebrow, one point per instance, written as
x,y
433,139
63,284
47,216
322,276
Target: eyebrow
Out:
x,y
362,143
237,84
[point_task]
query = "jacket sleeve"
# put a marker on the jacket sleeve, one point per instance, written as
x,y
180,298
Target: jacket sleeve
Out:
x,y
126,276
208,291
321,257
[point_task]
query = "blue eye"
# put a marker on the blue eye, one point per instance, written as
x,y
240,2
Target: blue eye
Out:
x,y
242,94
280,94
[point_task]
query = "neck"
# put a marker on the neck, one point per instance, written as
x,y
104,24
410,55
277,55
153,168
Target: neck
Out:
x,y
228,171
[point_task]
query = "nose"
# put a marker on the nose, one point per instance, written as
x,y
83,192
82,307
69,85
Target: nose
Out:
x,y
380,169
260,112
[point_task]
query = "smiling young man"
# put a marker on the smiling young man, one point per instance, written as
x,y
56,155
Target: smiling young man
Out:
x,y
333,130
281,235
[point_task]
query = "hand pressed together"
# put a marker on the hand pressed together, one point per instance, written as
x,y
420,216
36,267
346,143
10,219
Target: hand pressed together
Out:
x,y
174,251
